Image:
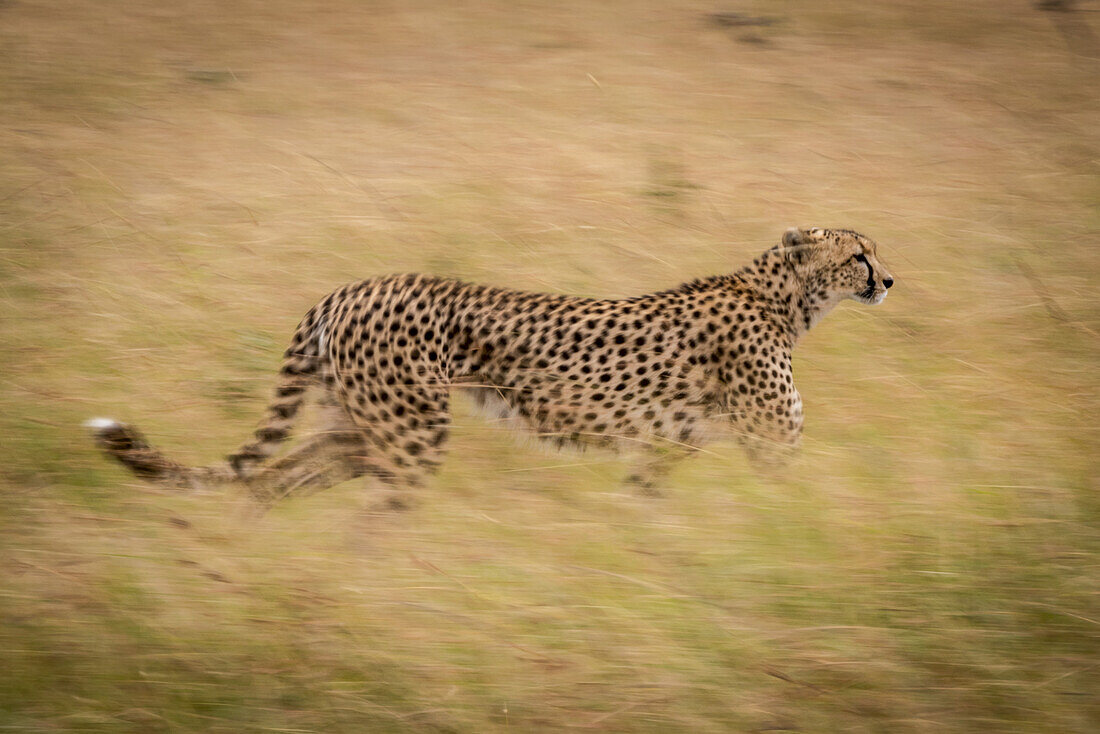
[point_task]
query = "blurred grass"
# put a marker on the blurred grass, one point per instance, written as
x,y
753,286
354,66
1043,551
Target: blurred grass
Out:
x,y
180,183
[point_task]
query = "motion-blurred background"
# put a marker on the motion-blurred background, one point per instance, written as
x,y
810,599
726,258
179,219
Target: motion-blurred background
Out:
x,y
179,182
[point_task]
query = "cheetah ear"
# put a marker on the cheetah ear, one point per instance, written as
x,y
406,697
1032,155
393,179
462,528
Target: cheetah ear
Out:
x,y
794,237
794,244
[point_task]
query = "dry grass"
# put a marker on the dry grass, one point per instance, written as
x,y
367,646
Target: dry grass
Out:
x,y
179,183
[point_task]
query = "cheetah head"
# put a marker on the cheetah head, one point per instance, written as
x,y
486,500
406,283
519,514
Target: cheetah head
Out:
x,y
838,263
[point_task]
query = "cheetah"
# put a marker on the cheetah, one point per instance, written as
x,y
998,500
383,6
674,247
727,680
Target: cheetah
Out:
x,y
665,372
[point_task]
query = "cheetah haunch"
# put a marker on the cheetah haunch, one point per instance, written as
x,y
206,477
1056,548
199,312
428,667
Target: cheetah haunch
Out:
x,y
659,372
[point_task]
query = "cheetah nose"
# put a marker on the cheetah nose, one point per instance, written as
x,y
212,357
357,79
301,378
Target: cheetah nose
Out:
x,y
887,282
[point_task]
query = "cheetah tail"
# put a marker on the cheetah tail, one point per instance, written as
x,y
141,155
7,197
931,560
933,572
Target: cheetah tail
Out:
x,y
301,368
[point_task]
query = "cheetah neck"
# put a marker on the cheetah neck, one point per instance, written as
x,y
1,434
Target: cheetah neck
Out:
x,y
796,304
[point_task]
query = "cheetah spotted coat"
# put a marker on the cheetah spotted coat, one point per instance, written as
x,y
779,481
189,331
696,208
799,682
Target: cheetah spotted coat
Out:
x,y
663,372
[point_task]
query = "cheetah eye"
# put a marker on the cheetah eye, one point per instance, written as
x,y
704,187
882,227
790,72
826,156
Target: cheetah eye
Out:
x,y
859,257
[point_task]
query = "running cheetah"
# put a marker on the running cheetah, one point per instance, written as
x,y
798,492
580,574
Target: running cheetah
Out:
x,y
661,372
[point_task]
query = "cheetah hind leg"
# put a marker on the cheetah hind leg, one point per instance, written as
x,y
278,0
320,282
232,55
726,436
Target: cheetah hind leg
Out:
x,y
333,455
405,440
319,463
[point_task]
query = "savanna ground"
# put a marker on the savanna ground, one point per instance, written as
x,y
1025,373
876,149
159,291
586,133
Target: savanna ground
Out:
x,y
180,182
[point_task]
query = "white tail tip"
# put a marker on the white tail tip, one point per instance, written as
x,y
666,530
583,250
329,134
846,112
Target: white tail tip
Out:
x,y
98,425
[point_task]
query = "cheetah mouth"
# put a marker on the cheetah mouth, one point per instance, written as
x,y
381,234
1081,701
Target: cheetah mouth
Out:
x,y
871,296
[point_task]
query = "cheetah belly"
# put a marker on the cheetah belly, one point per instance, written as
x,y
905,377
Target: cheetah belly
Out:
x,y
568,414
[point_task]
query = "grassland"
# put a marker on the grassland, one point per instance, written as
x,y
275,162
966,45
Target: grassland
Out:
x,y
179,183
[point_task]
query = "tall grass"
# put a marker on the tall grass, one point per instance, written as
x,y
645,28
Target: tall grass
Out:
x,y
179,184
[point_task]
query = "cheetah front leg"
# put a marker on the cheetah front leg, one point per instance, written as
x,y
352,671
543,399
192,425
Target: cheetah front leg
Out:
x,y
764,408
649,476
769,428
